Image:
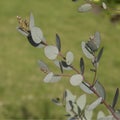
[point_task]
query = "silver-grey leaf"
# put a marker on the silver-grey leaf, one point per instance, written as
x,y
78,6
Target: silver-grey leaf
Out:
x,y
97,39
58,42
43,66
32,24
100,89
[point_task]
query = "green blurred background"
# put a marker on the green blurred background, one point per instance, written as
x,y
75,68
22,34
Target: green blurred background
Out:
x,y
23,94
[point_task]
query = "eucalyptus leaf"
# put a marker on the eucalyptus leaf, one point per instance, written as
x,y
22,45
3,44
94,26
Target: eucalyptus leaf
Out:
x,y
32,24
76,79
61,67
81,101
85,7
91,46
94,104
48,77
31,41
85,87
100,115
69,58
63,63
115,99
69,108
58,42
73,107
43,66
87,52
65,66
36,34
51,52
97,39
82,66
100,89
70,96
100,54
55,78
51,78
88,114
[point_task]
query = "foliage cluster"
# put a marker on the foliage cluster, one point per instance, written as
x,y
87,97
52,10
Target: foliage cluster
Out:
x,y
76,109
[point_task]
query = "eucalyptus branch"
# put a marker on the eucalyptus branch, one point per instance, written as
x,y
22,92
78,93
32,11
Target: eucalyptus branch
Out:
x,y
74,107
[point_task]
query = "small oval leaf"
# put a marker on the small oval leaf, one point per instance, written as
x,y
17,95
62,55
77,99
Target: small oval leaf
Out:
x,y
51,52
76,79
43,66
97,39
69,58
36,34
55,78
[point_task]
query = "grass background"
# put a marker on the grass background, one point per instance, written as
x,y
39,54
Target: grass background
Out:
x,y
23,94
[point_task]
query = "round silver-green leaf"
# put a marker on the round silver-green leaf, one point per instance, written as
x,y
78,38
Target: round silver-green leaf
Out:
x,y
76,79
51,52
37,34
